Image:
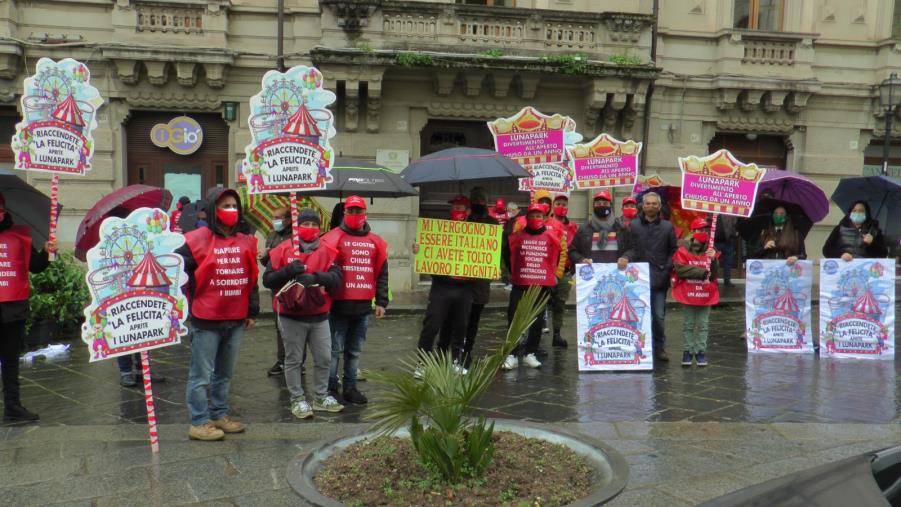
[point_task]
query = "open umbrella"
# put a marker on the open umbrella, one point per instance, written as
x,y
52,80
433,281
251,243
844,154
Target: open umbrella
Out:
x,y
357,177
793,188
187,221
461,164
882,193
125,199
27,205
763,216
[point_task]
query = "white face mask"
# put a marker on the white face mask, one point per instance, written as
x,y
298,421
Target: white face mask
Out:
x,y
278,224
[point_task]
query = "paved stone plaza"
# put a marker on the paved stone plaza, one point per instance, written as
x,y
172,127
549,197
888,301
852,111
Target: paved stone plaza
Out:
x,y
688,434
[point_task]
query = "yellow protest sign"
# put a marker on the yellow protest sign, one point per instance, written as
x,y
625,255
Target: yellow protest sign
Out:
x,y
466,249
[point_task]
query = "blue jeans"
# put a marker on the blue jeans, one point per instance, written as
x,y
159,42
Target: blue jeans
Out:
x,y
214,354
125,363
658,313
348,335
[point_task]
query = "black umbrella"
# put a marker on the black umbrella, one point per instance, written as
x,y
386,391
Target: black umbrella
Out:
x,y
27,205
351,176
763,217
461,164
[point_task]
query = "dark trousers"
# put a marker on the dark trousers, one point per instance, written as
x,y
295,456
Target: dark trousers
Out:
x,y
533,339
12,337
472,329
658,317
727,258
446,303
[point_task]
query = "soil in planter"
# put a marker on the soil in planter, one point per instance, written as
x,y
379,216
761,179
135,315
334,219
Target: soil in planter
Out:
x,y
524,471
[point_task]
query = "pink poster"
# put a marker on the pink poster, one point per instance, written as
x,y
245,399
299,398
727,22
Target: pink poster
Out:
x,y
605,162
719,183
530,137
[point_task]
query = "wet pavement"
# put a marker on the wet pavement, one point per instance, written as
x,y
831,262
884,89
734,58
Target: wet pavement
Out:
x,y
719,428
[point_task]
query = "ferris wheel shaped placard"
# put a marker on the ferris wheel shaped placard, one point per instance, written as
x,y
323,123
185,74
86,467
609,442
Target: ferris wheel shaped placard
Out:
x,y
59,108
290,129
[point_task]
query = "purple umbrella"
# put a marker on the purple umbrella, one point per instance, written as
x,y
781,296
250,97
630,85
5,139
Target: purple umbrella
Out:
x,y
795,189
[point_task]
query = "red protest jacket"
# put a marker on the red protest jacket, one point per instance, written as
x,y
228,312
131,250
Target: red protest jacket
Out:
x,y
15,256
361,259
225,276
317,261
535,259
694,292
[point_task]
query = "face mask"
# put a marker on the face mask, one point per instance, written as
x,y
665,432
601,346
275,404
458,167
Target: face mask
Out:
x,y
355,222
535,223
560,211
858,217
602,212
701,237
779,219
630,212
179,206
308,234
458,216
278,224
228,217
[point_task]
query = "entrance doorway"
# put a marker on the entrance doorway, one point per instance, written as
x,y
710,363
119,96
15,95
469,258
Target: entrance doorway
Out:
x,y
189,175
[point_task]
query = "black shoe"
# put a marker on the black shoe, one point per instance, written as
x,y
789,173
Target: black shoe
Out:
x,y
661,356
540,352
127,380
354,396
558,341
277,369
18,413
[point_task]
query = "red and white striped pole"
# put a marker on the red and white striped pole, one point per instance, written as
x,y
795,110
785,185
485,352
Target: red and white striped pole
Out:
x,y
54,204
295,227
148,403
710,242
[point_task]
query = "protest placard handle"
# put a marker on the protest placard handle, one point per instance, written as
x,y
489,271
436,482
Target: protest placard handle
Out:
x,y
54,204
148,403
295,227
711,240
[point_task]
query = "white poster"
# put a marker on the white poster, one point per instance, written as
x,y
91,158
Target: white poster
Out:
x,y
857,308
777,306
614,317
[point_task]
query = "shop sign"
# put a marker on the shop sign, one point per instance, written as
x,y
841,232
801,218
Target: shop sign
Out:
x,y
183,135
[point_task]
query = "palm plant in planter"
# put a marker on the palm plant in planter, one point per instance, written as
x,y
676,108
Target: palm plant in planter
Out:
x,y
447,439
58,297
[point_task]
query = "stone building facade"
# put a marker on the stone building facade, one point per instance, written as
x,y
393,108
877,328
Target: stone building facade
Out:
x,y
791,85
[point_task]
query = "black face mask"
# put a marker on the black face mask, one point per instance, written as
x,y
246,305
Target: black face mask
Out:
x,y
602,212
479,209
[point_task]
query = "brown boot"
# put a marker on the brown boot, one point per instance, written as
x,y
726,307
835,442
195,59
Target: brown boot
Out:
x,y
206,432
229,425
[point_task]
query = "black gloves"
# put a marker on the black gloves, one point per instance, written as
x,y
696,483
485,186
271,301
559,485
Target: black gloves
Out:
x,y
296,268
306,279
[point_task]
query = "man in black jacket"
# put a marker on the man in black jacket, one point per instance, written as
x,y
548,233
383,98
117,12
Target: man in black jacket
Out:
x,y
653,240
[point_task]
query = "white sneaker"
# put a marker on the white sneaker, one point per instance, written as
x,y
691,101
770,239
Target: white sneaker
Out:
x,y
327,404
301,409
419,372
510,363
531,361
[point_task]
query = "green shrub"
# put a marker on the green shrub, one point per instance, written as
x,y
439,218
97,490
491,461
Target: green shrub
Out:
x,y
413,60
625,60
59,293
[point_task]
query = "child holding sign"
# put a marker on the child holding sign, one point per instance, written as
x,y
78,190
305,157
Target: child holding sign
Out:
x,y
694,285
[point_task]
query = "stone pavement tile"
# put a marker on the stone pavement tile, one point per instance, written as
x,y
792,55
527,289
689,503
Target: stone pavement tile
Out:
x,y
7,456
672,415
75,489
282,496
834,432
272,457
172,493
697,489
647,497
633,429
28,473
210,487
730,413
671,461
597,430
628,447
689,431
39,453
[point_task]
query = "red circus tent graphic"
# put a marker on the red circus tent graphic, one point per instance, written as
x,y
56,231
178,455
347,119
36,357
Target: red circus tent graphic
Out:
x,y
301,123
867,304
786,303
149,274
624,311
68,112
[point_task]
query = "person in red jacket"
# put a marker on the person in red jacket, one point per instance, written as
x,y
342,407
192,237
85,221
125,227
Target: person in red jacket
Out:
x,y
363,258
694,285
175,215
221,264
564,284
499,212
19,258
535,257
314,268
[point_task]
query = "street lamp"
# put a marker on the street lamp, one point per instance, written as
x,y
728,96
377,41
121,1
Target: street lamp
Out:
x,y
888,102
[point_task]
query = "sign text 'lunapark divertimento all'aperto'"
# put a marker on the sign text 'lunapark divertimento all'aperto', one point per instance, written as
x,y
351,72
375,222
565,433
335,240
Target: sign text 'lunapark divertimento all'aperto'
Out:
x,y
777,306
290,129
135,280
614,317
719,183
605,162
59,108
464,249
857,308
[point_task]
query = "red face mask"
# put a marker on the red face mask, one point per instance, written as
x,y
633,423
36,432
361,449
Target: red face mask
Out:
x,y
308,234
227,217
355,222
630,212
535,223
458,215
701,237
2,216
560,211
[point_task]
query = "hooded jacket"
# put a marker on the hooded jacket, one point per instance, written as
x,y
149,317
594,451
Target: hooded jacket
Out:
x,y
13,311
848,238
213,195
